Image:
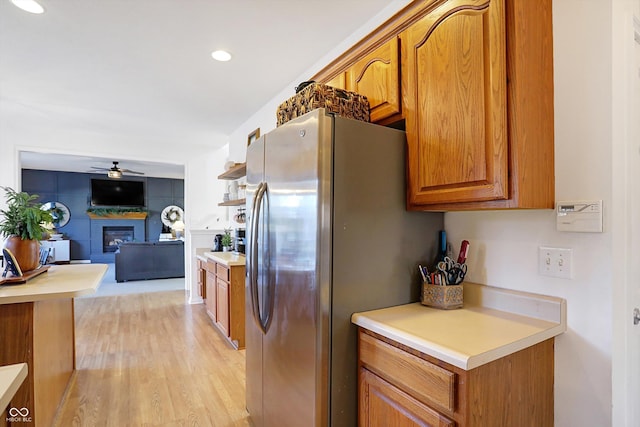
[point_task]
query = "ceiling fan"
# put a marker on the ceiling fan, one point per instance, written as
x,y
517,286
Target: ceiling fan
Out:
x,y
115,171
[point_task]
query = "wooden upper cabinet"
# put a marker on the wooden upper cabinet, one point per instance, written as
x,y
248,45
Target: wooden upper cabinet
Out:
x,y
475,88
454,67
377,76
339,81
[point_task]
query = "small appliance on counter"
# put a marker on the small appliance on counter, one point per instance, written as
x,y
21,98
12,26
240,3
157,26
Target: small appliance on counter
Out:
x,y
238,241
217,243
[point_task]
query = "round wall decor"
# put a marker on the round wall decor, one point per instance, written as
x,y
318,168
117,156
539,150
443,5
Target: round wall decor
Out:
x,y
59,212
171,214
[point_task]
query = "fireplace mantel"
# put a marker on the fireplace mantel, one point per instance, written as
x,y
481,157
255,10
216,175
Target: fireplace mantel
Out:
x,y
122,215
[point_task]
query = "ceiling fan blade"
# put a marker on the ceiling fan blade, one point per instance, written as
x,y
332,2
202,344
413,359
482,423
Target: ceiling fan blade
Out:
x,y
100,169
130,171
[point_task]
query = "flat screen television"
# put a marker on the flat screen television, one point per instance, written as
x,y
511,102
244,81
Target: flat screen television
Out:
x,y
110,192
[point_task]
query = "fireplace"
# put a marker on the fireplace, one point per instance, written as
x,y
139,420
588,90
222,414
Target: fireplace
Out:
x,y
113,236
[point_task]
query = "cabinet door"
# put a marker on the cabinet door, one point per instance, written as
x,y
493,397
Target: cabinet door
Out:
x,y
382,404
338,81
222,304
454,69
211,292
202,279
377,76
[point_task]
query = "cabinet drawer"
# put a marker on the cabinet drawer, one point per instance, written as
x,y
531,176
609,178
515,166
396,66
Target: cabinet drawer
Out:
x,y
210,266
222,272
423,380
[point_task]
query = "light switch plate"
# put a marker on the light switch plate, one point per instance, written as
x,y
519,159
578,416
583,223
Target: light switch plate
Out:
x,y
555,262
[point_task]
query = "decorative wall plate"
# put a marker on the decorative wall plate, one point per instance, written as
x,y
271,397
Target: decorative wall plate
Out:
x,y
171,214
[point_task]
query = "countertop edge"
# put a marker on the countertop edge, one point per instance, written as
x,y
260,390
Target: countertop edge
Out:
x,y
427,347
514,347
455,358
509,302
90,287
12,377
230,259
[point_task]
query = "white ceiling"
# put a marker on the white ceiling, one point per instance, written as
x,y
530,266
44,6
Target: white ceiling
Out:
x,y
149,61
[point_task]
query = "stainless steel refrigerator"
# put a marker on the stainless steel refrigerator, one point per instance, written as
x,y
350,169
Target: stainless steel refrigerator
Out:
x,y
328,235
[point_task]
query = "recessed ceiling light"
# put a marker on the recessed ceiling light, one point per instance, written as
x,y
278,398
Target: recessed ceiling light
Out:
x,y
221,55
30,6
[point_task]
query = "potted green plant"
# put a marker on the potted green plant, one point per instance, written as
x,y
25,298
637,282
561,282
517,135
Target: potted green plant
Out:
x,y
23,225
226,240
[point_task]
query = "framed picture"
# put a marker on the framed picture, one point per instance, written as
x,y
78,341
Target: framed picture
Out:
x,y
253,136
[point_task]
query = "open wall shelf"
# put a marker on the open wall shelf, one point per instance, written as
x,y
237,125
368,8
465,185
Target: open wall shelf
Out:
x,y
235,172
237,202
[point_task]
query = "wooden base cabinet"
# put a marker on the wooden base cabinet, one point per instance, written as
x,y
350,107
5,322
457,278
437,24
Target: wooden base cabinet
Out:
x,y
42,335
225,300
399,386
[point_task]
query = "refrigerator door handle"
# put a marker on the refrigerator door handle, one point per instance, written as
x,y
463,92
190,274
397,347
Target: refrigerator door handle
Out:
x,y
251,257
253,270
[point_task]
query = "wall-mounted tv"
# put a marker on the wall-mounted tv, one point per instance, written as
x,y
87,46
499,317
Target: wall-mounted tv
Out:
x,y
111,192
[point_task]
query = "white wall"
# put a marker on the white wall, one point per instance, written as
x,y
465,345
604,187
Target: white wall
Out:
x,y
504,244
626,195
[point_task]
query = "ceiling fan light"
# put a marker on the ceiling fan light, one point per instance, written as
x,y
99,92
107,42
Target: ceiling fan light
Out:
x,y
30,6
114,174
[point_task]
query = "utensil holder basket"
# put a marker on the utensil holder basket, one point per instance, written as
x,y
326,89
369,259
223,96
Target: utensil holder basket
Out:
x,y
443,297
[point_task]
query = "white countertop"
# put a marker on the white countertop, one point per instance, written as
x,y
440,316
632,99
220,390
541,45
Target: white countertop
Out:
x,y
61,281
493,323
229,259
11,378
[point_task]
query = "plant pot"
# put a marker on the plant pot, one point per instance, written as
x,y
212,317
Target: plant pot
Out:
x,y
26,252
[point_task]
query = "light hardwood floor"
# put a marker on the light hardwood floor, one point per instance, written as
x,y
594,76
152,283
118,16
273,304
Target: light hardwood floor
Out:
x,y
152,360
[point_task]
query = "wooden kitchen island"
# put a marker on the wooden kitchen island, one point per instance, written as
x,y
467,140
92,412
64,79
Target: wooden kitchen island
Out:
x,y
37,328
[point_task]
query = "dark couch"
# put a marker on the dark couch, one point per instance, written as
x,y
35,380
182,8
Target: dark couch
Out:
x,y
149,260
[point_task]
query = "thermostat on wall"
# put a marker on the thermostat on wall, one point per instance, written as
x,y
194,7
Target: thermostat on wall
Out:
x,y
581,216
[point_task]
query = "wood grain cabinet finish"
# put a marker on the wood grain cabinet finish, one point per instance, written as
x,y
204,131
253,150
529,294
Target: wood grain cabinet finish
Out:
x,y
210,290
383,405
476,96
201,279
42,335
339,81
479,114
400,386
222,305
454,66
225,300
377,76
